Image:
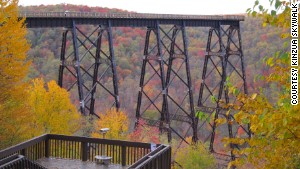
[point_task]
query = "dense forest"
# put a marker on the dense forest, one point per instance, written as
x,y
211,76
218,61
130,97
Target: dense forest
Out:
x,y
28,88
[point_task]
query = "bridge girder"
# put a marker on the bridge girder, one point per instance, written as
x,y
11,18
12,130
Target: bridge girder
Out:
x,y
65,19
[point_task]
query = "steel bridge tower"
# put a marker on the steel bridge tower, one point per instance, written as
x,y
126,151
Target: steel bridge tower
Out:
x,y
89,65
168,61
223,78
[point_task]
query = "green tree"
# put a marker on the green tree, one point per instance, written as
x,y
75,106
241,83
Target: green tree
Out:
x,y
194,156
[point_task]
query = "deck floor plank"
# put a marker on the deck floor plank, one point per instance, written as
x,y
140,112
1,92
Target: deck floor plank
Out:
x,y
54,163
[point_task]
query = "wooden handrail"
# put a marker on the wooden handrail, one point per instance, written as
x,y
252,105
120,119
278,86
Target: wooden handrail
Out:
x,y
99,140
48,144
13,149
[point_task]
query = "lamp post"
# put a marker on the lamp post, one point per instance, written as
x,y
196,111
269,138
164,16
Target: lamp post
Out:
x,y
104,159
103,131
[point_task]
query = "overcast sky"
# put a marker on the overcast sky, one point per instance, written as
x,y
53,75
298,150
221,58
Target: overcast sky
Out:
x,y
162,6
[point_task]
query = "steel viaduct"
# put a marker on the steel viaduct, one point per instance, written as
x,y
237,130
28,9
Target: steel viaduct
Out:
x,y
223,68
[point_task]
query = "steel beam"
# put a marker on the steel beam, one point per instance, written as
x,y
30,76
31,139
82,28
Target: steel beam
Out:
x,y
62,57
189,84
77,68
96,69
113,65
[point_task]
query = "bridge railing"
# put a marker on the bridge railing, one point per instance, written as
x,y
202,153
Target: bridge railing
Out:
x,y
124,153
103,15
68,14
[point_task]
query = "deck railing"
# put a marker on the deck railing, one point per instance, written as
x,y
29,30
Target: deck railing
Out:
x,y
159,158
18,162
124,153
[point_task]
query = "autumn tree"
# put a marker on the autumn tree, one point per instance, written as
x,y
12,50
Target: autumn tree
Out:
x,y
194,156
116,121
51,110
145,133
13,69
13,49
275,123
27,109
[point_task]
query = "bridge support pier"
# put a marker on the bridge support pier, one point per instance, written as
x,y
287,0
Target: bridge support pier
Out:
x,y
153,57
169,53
89,65
223,78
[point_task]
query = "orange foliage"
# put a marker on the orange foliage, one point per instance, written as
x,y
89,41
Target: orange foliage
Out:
x,y
145,133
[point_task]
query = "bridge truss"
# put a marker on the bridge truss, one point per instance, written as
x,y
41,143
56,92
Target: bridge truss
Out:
x,y
168,105
223,78
89,62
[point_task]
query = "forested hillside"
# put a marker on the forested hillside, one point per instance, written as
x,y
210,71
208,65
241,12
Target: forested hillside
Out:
x,y
258,44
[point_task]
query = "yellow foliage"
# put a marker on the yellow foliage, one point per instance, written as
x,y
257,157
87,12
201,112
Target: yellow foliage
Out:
x,y
13,69
276,133
116,121
275,124
25,110
52,110
220,121
14,118
13,47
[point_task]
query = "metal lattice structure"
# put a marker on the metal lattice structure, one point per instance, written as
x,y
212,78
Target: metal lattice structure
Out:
x,y
168,105
83,64
165,52
223,78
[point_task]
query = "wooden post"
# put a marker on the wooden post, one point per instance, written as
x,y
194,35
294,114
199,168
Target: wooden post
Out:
x,y
84,148
23,152
47,148
123,156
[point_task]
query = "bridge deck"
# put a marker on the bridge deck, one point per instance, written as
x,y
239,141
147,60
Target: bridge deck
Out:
x,y
65,19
